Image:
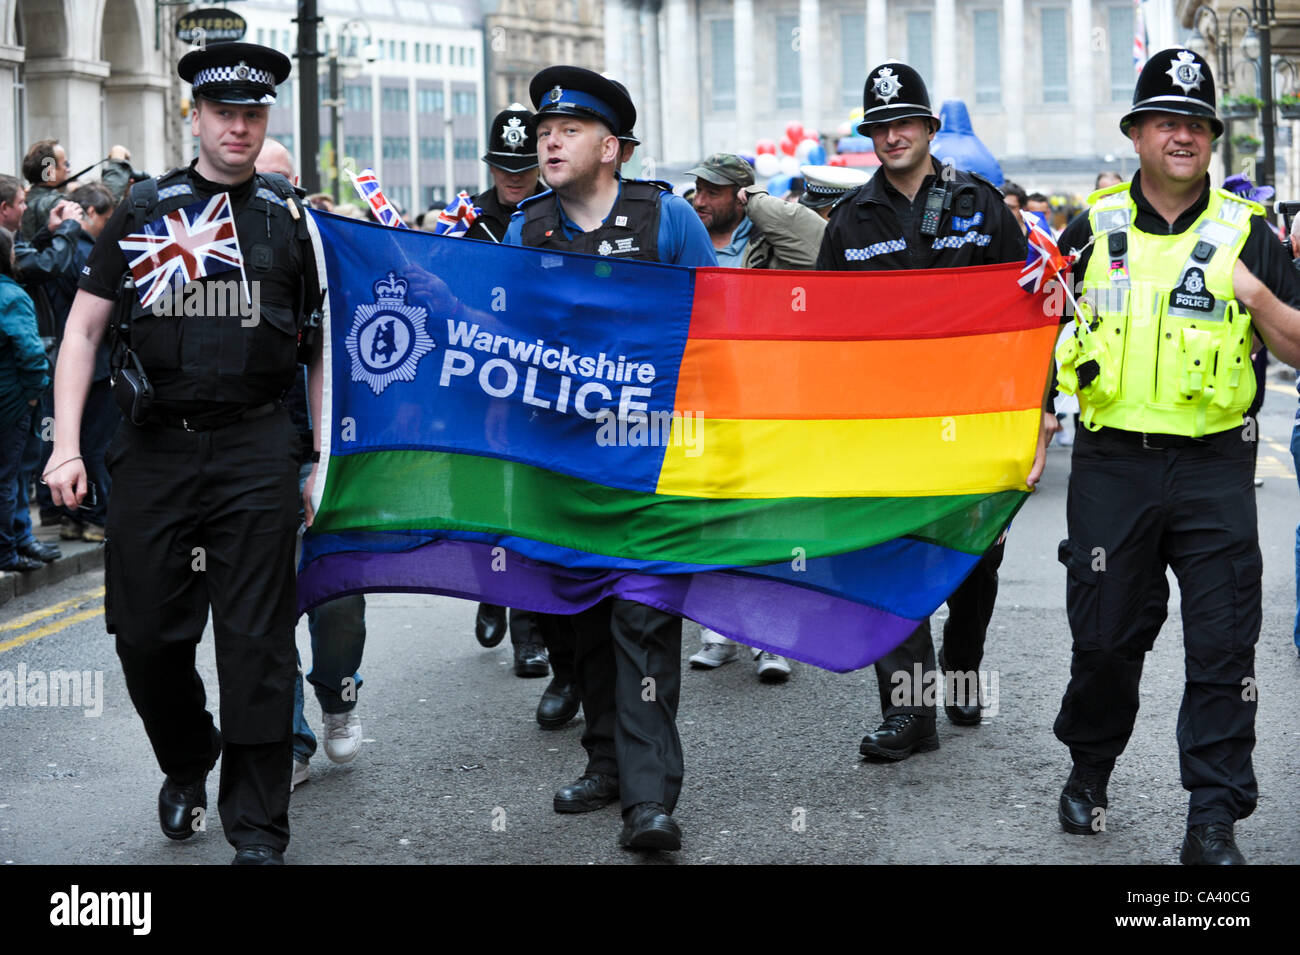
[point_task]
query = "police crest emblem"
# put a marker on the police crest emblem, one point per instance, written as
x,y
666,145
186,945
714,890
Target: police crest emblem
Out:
x,y
513,134
388,337
1185,72
886,85
556,94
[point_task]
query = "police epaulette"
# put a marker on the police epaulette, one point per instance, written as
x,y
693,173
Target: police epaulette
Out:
x,y
662,184
988,182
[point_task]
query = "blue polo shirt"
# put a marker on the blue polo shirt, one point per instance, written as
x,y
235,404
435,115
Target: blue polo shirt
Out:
x,y
729,255
683,240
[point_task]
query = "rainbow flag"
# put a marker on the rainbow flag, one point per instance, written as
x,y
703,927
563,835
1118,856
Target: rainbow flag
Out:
x,y
807,462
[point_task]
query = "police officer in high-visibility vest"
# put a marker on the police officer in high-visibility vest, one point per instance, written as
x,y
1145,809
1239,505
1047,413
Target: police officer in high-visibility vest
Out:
x,y
204,511
1176,279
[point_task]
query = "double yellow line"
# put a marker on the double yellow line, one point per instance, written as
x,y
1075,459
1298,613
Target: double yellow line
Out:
x,y
15,627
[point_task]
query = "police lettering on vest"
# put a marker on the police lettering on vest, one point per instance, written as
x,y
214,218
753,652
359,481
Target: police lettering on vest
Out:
x,y
1169,354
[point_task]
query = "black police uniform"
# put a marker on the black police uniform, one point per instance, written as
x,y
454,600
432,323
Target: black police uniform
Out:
x,y
491,225
1184,503
204,511
876,228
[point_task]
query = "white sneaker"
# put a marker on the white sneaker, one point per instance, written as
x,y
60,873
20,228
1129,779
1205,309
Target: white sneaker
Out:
x,y
771,668
342,736
300,773
713,655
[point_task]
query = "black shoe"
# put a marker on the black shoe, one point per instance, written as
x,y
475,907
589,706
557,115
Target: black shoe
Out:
x,y
490,625
177,805
22,564
1211,844
901,735
258,855
592,791
531,661
648,825
1083,802
960,713
558,705
45,553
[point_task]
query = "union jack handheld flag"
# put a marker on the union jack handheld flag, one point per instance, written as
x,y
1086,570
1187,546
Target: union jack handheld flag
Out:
x,y
367,186
1045,261
456,219
194,241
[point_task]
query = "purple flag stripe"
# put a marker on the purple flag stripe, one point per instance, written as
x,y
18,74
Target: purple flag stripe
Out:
x,y
825,631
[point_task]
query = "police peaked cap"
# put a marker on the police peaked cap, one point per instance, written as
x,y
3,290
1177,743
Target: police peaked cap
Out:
x,y
243,74
824,185
894,91
1175,81
573,91
512,139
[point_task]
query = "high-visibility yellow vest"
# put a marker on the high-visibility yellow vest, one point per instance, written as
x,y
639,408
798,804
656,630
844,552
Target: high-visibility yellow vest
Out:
x,y
1158,330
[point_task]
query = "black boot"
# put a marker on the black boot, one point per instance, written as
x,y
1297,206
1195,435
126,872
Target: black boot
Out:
x,y
558,705
1211,844
1083,801
490,625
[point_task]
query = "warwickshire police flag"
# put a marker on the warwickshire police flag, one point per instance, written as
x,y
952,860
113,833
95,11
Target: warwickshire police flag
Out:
x,y
182,246
543,430
367,186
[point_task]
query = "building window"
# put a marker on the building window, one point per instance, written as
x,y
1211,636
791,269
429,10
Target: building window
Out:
x,y
465,149
360,148
853,58
401,54
464,103
988,58
433,198
437,53
471,56
432,147
919,47
1123,73
396,147
1056,56
788,89
357,98
429,100
395,99
284,96
723,39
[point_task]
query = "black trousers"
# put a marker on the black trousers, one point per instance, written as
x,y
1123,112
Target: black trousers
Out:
x,y
1133,512
203,520
628,666
970,608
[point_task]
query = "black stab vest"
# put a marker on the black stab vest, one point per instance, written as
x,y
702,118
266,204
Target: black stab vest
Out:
x,y
630,231
217,357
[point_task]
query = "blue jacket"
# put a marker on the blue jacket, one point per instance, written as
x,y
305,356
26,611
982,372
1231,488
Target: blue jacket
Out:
x,y
24,371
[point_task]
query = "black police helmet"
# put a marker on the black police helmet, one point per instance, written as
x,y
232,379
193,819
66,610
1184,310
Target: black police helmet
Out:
x,y
243,74
573,91
894,91
512,139
1174,81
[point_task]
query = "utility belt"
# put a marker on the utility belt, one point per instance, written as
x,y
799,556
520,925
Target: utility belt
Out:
x,y
200,423
1156,442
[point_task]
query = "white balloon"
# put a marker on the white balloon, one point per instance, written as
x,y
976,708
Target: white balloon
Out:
x,y
767,166
804,148
789,166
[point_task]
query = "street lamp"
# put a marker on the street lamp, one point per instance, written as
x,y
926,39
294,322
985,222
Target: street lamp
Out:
x,y
336,102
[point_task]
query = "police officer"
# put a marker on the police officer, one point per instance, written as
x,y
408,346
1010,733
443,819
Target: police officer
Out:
x,y
634,753
1176,279
204,507
915,214
512,159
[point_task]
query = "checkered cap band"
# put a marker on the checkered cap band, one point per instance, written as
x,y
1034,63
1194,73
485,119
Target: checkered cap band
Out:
x,y
239,73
